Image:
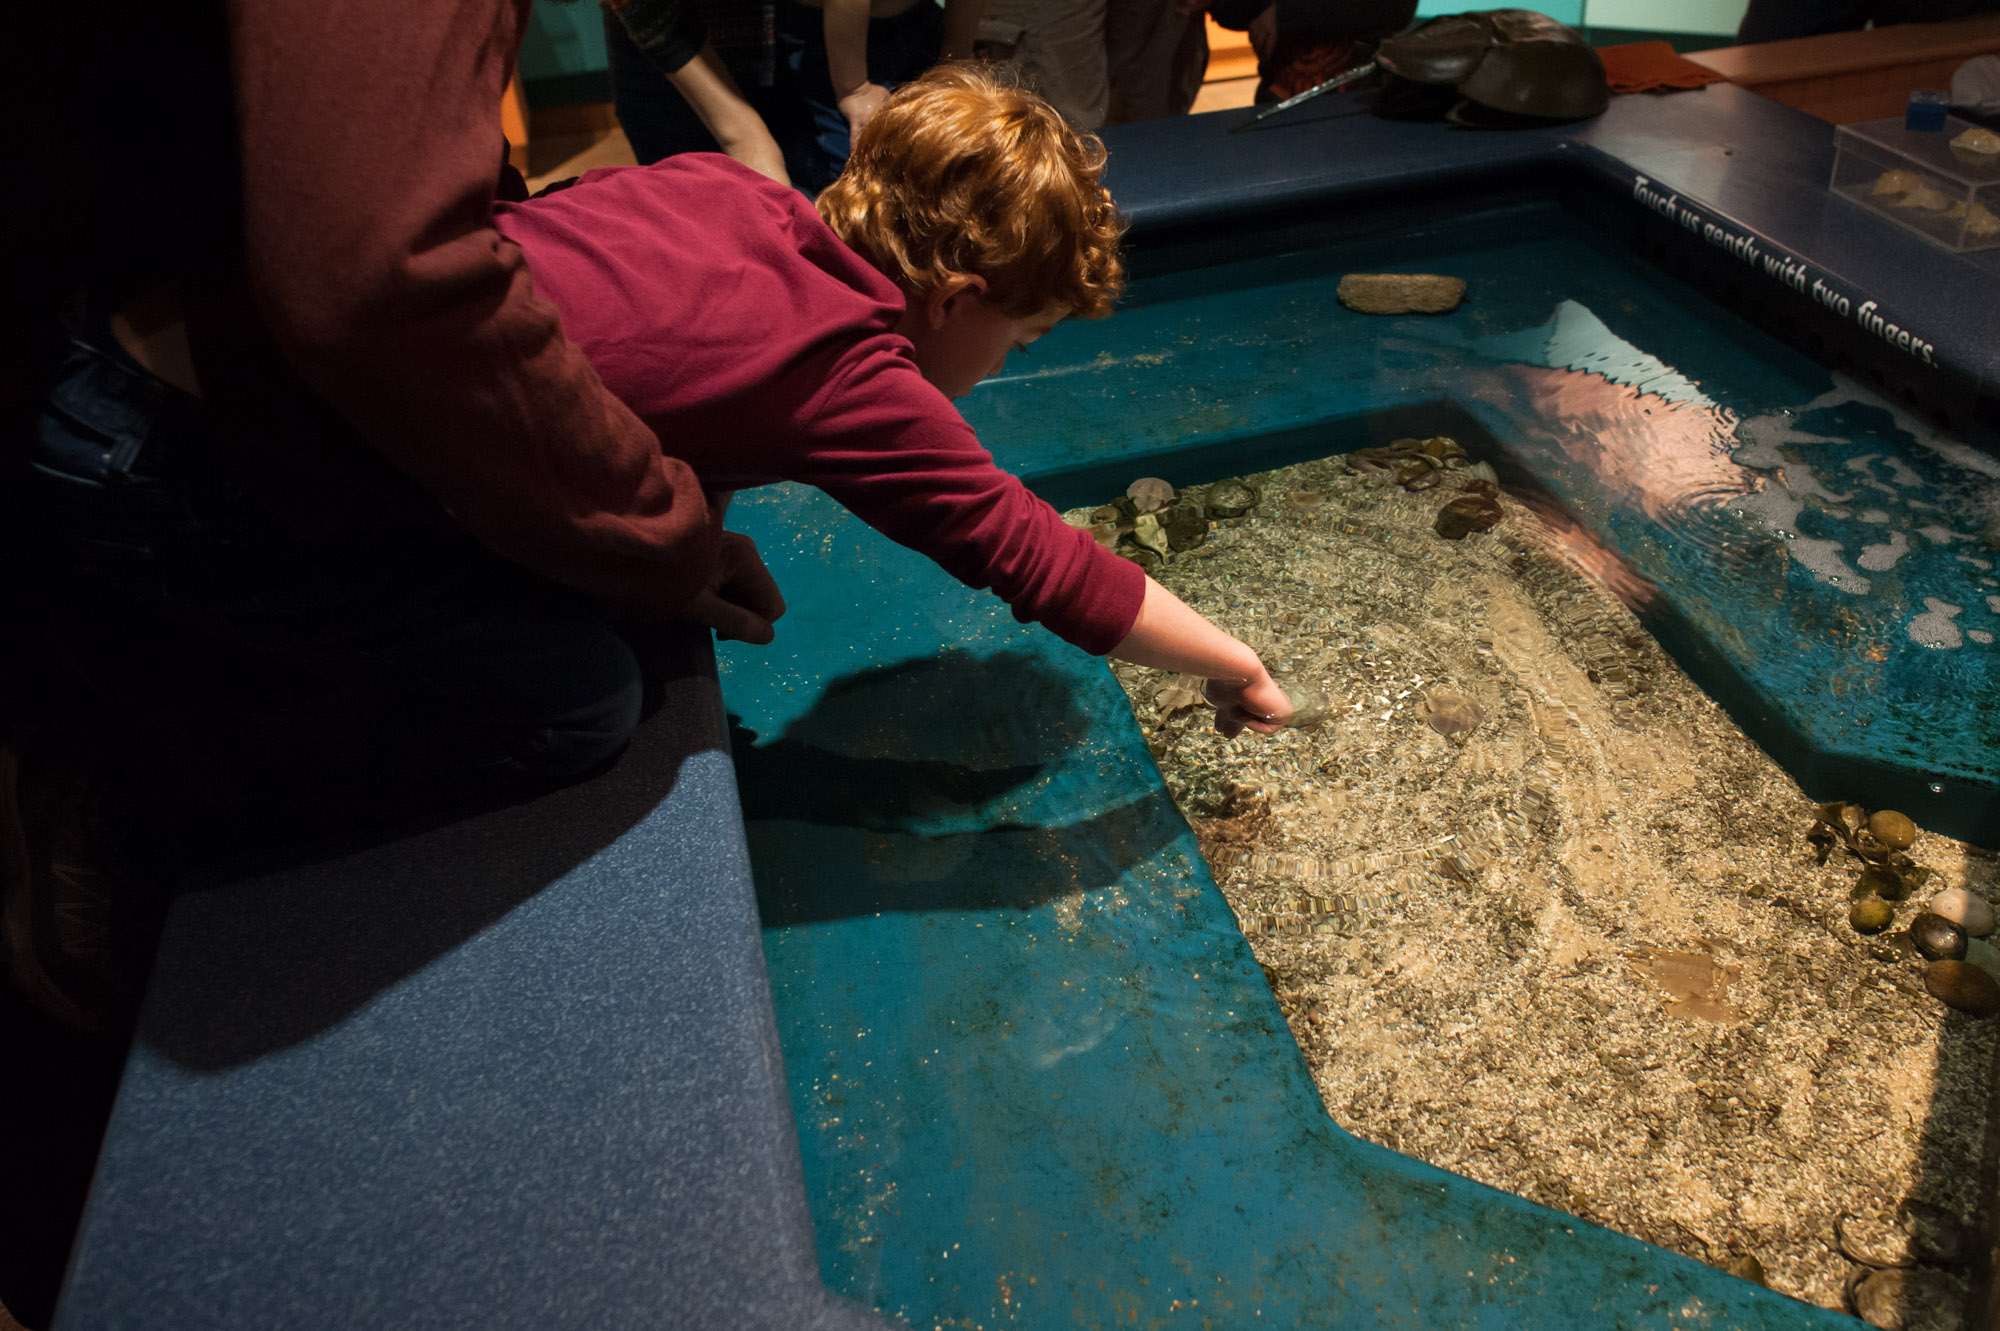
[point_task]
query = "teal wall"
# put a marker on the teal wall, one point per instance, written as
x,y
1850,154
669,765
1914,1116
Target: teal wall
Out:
x,y
1562,11
562,53
1709,17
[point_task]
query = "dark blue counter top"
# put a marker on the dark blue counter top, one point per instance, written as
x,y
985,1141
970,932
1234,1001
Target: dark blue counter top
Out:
x,y
1716,155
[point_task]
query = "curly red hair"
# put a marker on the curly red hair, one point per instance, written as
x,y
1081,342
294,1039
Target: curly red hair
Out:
x,y
965,173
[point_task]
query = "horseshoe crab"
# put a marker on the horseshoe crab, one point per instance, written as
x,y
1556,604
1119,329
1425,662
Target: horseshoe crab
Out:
x,y
1515,62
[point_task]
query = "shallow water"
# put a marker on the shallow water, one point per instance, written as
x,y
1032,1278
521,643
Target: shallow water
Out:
x,y
1484,945
1823,559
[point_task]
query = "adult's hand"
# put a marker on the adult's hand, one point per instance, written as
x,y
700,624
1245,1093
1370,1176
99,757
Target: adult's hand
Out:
x,y
861,105
742,601
1264,32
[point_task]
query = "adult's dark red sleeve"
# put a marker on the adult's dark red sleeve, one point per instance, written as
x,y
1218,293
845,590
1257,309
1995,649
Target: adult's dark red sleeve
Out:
x,y
369,131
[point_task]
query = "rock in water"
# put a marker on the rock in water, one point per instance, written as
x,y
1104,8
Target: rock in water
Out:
x,y
1892,829
1980,953
1915,1299
1451,713
1963,986
1937,938
1467,514
1186,526
1231,498
1915,1232
1401,293
1870,914
1962,908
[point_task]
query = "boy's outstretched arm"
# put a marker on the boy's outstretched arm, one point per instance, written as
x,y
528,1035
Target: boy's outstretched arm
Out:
x,y
847,63
1169,635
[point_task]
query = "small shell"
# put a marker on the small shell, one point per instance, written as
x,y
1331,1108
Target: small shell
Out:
x,y
1149,494
1978,220
1300,501
1978,140
1178,693
1895,182
1926,197
1148,533
1231,498
1451,713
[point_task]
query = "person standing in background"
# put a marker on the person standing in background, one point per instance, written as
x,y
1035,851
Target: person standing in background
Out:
x,y
1105,62
1302,43
704,77
848,55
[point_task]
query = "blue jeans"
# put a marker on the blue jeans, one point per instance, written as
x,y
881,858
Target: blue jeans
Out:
x,y
899,49
268,686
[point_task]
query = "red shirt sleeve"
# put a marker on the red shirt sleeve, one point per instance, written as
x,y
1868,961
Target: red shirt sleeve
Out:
x,y
370,136
893,450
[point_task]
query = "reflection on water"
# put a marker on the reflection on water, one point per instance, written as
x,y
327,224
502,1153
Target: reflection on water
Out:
x,y
1840,554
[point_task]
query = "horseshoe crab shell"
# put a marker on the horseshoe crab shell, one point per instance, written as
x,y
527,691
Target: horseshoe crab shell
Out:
x,y
1513,61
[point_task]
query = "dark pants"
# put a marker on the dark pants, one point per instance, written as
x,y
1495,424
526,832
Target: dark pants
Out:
x,y
255,686
899,49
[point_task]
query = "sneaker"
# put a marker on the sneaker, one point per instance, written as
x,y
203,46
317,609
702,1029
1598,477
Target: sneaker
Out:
x,y
74,944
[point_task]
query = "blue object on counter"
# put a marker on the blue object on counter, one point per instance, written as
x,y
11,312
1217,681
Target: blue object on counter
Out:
x,y
1927,110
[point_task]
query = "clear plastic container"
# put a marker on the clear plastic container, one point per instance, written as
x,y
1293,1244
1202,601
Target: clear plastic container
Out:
x,y
1948,194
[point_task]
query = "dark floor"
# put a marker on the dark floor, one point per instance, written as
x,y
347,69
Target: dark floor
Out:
x,y
57,1096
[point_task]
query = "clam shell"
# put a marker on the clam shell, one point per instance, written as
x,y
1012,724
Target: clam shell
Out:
x,y
1149,494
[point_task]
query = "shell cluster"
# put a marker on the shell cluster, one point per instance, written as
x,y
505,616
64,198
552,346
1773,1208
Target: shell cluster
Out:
x,y
1152,521
1909,190
1949,934
1425,464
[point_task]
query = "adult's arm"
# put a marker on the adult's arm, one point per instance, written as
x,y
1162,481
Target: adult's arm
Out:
x,y
370,134
674,39
961,28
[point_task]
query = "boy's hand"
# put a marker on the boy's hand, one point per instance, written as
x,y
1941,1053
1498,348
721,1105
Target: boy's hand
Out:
x,y
860,107
742,601
1259,705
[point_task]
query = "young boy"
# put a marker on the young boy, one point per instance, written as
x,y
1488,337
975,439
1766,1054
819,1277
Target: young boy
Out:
x,y
762,342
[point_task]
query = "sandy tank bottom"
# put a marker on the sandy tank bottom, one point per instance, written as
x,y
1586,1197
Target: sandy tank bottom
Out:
x,y
1584,952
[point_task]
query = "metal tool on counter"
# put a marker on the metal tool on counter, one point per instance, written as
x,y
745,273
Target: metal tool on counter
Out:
x,y
1338,81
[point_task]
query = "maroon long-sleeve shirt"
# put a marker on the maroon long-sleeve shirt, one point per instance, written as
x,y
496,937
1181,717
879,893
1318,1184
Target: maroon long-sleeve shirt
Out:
x,y
720,308
370,295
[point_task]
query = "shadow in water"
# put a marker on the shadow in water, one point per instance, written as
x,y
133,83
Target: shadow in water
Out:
x,y
936,785
286,949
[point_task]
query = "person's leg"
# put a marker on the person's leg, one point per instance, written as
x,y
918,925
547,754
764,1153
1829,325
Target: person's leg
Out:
x,y
1156,57
899,48
803,74
394,668
1060,54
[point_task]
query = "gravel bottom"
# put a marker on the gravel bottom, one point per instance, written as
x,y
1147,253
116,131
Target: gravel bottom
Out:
x,y
1582,953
